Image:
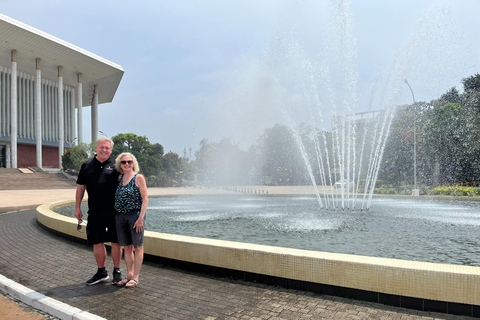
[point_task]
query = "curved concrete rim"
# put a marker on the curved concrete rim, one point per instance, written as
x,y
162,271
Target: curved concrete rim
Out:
x,y
423,280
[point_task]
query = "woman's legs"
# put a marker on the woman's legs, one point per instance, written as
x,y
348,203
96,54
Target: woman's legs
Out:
x,y
133,256
138,262
129,260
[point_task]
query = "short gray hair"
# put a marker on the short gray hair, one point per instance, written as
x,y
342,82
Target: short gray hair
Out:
x,y
104,139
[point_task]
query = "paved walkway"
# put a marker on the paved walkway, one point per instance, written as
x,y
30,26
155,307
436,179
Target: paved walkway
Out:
x,y
58,268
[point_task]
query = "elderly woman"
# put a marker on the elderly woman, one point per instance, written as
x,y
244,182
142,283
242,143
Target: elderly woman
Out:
x,y
131,201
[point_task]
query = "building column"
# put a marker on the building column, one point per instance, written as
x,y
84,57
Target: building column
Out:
x,y
95,114
79,109
13,113
38,113
72,134
8,154
61,125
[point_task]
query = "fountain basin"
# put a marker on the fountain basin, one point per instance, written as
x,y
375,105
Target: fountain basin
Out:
x,y
411,284
439,231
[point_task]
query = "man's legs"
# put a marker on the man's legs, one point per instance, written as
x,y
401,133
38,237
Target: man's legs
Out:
x,y
100,254
116,255
103,228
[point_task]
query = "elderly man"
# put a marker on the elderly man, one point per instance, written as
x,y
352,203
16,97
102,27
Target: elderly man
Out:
x,y
100,179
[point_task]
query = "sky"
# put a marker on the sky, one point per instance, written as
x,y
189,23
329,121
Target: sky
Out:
x,y
215,69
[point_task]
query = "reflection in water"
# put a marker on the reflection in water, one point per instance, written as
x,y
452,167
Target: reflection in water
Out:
x,y
432,231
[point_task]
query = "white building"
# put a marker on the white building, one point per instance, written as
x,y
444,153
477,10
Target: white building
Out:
x,y
44,84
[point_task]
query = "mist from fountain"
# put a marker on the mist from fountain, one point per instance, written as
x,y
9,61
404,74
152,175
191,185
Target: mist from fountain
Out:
x,y
345,160
322,91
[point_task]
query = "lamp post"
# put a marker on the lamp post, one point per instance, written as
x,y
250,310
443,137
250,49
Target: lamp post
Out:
x,y
103,133
71,142
415,190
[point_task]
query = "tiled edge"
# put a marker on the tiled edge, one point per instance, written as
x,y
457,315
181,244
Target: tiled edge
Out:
x,y
439,282
421,285
55,221
43,303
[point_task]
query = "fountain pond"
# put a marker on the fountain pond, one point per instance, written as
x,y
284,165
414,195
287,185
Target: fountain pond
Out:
x,y
438,231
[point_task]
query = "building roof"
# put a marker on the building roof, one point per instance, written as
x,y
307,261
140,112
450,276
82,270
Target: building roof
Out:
x,y
32,43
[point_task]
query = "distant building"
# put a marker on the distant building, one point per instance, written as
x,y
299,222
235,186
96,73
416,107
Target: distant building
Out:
x,y
44,84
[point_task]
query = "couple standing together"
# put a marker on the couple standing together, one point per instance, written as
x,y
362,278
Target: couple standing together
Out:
x,y
117,201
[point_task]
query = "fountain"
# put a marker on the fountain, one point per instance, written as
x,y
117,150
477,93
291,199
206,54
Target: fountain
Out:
x,y
322,92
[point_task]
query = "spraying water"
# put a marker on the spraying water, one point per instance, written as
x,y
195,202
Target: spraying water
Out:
x,y
348,144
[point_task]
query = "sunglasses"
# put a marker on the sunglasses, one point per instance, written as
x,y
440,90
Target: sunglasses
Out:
x,y
125,162
79,225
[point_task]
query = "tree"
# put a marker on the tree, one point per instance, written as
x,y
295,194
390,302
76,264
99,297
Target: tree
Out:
x,y
174,169
279,157
203,162
448,131
471,84
74,157
149,156
221,163
451,96
397,162
444,135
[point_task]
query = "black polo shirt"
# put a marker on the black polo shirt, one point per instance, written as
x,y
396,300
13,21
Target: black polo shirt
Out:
x,y
101,181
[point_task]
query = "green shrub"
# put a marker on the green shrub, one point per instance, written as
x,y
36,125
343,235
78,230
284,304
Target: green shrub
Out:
x,y
73,158
458,191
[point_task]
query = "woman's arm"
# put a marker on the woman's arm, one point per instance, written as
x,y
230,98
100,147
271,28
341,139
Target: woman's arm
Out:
x,y
142,185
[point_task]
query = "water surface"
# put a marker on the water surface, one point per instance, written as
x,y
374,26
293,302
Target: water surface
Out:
x,y
421,230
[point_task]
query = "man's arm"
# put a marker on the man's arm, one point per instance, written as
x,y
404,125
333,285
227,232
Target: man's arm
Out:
x,y
78,201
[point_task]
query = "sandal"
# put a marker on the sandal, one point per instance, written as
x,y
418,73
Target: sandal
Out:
x,y
132,283
123,282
